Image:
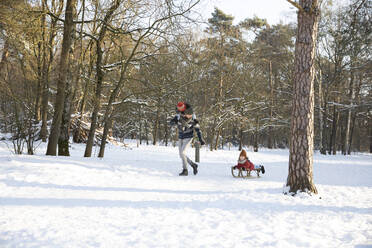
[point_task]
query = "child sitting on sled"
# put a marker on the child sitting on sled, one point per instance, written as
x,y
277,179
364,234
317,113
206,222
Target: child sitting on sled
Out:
x,y
245,164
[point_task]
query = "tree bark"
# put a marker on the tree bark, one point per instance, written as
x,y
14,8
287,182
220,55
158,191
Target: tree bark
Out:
x,y
61,84
63,141
300,174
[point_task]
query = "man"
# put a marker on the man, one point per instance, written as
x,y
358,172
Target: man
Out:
x,y
186,123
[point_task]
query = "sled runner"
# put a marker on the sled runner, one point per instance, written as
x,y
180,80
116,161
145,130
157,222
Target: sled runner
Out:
x,y
243,172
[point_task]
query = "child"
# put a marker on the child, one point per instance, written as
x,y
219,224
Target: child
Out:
x,y
244,163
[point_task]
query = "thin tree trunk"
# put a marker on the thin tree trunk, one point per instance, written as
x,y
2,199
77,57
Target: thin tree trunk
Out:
x,y
4,57
63,141
336,131
241,137
300,174
370,134
218,134
140,123
333,131
61,84
40,59
166,132
353,118
100,75
146,133
357,94
271,84
96,103
156,127
77,132
45,80
349,113
106,129
320,106
255,141
325,129
45,98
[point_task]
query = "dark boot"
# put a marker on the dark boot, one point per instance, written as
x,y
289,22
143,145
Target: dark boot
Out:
x,y
184,173
194,168
262,168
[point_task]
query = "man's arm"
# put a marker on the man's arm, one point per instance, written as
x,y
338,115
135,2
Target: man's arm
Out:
x,y
175,120
198,132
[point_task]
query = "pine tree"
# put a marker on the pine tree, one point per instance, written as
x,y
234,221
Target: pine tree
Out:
x,y
300,175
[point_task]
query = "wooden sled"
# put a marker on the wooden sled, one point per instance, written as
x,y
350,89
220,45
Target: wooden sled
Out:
x,y
243,172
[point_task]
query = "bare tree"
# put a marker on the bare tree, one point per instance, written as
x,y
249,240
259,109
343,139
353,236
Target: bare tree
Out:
x,y
99,75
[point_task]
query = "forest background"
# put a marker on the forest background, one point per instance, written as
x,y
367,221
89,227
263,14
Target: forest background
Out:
x,y
128,63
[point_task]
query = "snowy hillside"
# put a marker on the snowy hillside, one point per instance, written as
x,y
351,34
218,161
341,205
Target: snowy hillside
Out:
x,y
135,198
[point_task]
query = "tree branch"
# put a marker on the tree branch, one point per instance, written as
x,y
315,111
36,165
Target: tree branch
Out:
x,y
299,7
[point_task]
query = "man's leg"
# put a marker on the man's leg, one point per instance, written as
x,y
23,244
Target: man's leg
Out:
x,y
182,146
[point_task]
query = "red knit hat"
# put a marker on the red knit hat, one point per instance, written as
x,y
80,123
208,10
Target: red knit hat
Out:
x,y
181,106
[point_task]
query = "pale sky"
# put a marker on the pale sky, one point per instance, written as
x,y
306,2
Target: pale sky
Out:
x,y
273,11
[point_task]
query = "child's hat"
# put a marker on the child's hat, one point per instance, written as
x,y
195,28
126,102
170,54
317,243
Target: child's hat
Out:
x,y
243,153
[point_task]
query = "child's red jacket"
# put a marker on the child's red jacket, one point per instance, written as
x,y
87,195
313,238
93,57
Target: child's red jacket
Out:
x,y
246,164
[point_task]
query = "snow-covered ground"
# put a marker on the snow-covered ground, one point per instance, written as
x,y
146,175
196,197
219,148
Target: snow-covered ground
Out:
x,y
135,198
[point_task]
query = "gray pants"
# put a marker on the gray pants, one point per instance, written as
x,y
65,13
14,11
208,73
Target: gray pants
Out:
x,y
182,146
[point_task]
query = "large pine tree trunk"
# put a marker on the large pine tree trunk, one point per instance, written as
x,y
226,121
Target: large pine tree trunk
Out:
x,y
300,174
59,103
